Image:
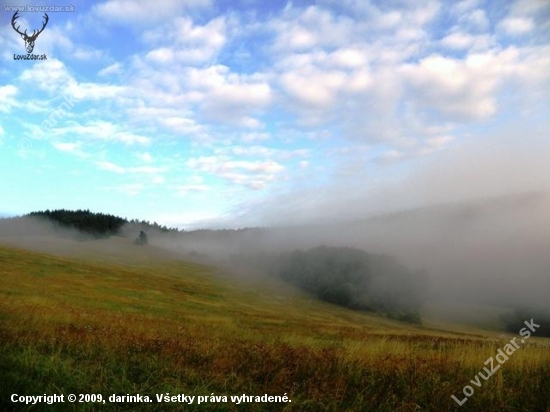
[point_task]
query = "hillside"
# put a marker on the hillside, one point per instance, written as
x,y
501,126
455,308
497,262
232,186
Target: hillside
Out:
x,y
93,224
74,325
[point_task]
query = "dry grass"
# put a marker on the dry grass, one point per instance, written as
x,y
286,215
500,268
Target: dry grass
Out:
x,y
69,326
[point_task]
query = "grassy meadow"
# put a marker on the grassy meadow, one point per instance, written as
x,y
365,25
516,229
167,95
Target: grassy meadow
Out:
x,y
157,326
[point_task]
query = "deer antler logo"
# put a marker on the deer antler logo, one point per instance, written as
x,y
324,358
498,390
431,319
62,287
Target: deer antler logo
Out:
x,y
29,40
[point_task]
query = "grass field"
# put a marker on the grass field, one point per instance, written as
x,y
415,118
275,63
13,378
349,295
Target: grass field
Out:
x,y
75,326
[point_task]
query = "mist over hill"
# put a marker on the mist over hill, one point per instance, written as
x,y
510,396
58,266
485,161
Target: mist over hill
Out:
x,y
491,251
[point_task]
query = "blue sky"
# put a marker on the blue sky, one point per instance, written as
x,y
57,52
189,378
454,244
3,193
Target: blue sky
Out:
x,y
231,113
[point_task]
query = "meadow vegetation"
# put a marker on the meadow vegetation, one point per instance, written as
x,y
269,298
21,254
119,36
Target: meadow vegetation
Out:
x,y
69,325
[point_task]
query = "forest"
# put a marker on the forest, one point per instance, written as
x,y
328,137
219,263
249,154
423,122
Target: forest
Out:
x,y
94,224
356,279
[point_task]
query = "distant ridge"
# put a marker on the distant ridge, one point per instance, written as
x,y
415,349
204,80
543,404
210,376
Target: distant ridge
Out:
x,y
95,224
470,208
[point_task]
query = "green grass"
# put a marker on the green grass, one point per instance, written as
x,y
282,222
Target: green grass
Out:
x,y
80,326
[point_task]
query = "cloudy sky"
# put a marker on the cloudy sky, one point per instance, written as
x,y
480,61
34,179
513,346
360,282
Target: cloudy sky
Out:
x,y
245,112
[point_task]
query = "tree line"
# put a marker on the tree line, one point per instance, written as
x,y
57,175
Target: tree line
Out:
x,y
95,224
356,279
515,320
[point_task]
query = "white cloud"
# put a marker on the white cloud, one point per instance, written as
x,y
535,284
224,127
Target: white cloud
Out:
x,y
114,68
409,14
52,76
165,116
252,174
7,98
212,34
234,97
60,40
303,164
464,6
257,152
143,12
516,26
129,138
145,157
317,89
251,123
161,55
439,141
93,91
254,151
301,30
146,170
185,100
215,164
74,148
530,7
110,167
461,90
435,143
476,19
181,124
101,130
183,42
350,68
349,58
254,137
49,75
460,40
86,54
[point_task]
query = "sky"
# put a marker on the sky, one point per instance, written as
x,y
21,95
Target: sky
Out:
x,y
232,113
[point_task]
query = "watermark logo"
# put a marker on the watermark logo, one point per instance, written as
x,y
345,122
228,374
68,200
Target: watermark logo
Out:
x,y
29,40
501,358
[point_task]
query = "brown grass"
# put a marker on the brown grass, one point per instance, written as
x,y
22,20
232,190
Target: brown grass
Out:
x,y
70,326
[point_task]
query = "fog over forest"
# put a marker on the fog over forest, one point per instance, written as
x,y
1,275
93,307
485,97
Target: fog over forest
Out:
x,y
492,251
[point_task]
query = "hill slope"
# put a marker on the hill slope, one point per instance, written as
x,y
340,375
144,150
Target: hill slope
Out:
x,y
75,326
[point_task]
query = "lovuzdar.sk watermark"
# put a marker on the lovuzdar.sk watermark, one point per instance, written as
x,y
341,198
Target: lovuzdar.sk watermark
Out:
x,y
501,357
28,38
30,57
